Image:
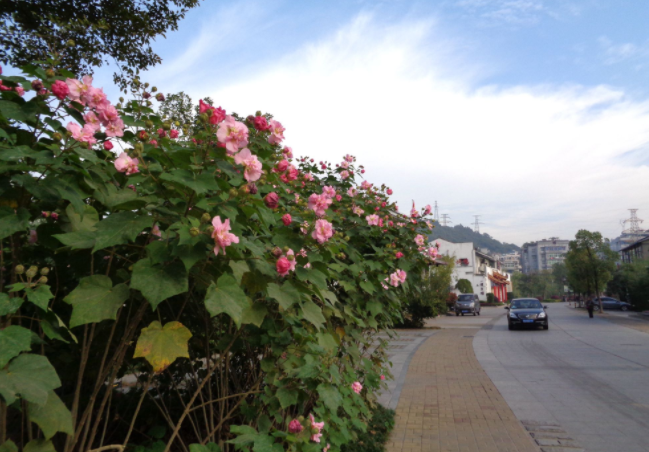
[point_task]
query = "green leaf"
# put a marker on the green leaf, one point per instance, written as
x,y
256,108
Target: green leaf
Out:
x,y
200,183
9,305
189,255
287,397
13,340
87,222
11,221
329,395
31,376
374,307
120,228
254,314
160,346
39,445
39,296
112,196
12,110
312,313
80,240
8,446
239,268
209,447
157,431
367,287
286,294
52,417
95,299
159,282
228,297
53,326
327,341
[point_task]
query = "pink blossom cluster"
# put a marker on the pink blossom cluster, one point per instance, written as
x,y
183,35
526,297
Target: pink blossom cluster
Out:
x,y
260,123
18,89
101,111
372,220
396,278
358,211
252,165
366,185
276,132
318,426
126,164
286,263
319,203
323,231
295,426
357,387
420,240
216,115
221,235
232,134
432,252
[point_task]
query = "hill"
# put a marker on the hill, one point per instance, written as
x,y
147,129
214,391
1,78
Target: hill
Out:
x,y
459,234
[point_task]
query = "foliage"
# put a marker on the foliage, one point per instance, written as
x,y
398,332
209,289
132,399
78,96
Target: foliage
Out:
x,y
87,34
377,434
224,292
464,286
538,285
590,263
451,299
630,283
510,296
491,298
461,234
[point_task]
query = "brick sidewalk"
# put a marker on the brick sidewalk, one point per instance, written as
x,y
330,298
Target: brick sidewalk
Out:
x,y
449,404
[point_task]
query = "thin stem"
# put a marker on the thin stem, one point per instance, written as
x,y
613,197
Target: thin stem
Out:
x,y
137,409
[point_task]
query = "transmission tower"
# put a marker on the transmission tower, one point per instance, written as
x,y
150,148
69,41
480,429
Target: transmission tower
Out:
x,y
436,213
633,232
446,219
476,224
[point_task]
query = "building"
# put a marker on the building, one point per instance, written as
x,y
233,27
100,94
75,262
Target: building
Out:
x,y
510,262
636,251
479,268
542,255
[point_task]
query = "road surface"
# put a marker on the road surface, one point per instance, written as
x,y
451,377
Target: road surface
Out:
x,y
588,377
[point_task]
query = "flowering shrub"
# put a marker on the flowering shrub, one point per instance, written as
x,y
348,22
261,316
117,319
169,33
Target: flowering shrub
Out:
x,y
187,284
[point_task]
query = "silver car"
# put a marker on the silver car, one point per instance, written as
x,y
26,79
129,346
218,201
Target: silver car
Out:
x,y
467,303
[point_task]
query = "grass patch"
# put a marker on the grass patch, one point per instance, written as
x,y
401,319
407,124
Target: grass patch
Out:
x,y
377,434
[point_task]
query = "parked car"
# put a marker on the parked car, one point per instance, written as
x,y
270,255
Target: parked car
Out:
x,y
527,312
612,303
467,303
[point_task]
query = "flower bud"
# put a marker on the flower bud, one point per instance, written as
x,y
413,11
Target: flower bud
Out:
x,y
45,271
209,230
121,99
57,136
177,123
194,231
166,126
138,147
154,89
146,84
50,73
277,251
203,117
37,85
206,218
252,188
43,280
271,200
70,43
146,95
20,269
31,273
142,135
148,123
160,97
257,113
314,430
233,192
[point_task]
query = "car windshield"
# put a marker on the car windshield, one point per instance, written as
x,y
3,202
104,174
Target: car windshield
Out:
x,y
526,304
465,298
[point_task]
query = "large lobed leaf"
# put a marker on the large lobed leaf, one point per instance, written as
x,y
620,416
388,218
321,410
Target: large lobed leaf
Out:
x,y
95,299
160,346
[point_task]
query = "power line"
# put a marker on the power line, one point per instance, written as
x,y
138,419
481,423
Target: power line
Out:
x,y
446,219
476,224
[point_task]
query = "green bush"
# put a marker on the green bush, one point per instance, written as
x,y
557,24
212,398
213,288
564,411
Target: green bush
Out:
x,y
464,286
491,298
377,434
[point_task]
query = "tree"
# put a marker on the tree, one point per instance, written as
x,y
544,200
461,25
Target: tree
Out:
x,y
177,107
464,286
590,262
88,33
630,283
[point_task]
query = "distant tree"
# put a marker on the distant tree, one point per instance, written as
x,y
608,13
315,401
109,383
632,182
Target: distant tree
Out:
x,y
88,33
560,274
630,282
177,107
540,284
459,234
464,286
590,262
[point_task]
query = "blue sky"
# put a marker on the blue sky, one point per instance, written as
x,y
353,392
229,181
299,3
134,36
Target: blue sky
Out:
x,y
531,113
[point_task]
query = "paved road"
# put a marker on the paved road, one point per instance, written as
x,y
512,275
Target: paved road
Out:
x,y
590,377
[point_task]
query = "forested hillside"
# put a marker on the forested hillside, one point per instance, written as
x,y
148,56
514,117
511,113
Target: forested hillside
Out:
x,y
459,234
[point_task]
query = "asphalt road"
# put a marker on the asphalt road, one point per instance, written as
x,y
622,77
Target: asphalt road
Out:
x,y
588,376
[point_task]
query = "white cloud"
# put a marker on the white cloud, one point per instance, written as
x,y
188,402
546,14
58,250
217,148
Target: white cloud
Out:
x,y
534,161
616,53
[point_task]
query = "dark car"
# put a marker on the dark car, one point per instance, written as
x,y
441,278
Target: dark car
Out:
x,y
467,303
527,312
612,303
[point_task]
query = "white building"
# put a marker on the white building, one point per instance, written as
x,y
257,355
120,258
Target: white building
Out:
x,y
481,269
542,255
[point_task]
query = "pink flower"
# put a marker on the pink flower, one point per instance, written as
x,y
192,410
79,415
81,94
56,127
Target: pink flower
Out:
x,y
372,220
348,158
154,143
252,165
399,255
366,185
126,164
352,192
162,133
155,230
390,191
115,128
294,426
260,123
420,240
173,133
394,280
382,377
308,176
271,200
413,211
108,145
45,214
319,203
132,187
222,238
286,219
92,120
33,236
20,90
288,152
55,216
326,448
94,97
85,134
302,252
203,107
323,231
358,211
432,252
78,88
318,426
344,165
357,387
282,166
344,174
291,174
338,197
218,115
427,209
307,265
233,134
401,274
283,266
329,191
107,114
276,132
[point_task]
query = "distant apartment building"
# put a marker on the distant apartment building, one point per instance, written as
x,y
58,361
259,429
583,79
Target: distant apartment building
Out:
x,y
638,250
542,255
510,262
480,268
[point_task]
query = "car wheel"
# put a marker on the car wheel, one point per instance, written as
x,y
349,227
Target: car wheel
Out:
x,y
624,308
545,327
510,326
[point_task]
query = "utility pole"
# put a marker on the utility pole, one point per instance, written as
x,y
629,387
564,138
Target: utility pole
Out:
x,y
436,213
446,219
633,232
476,224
